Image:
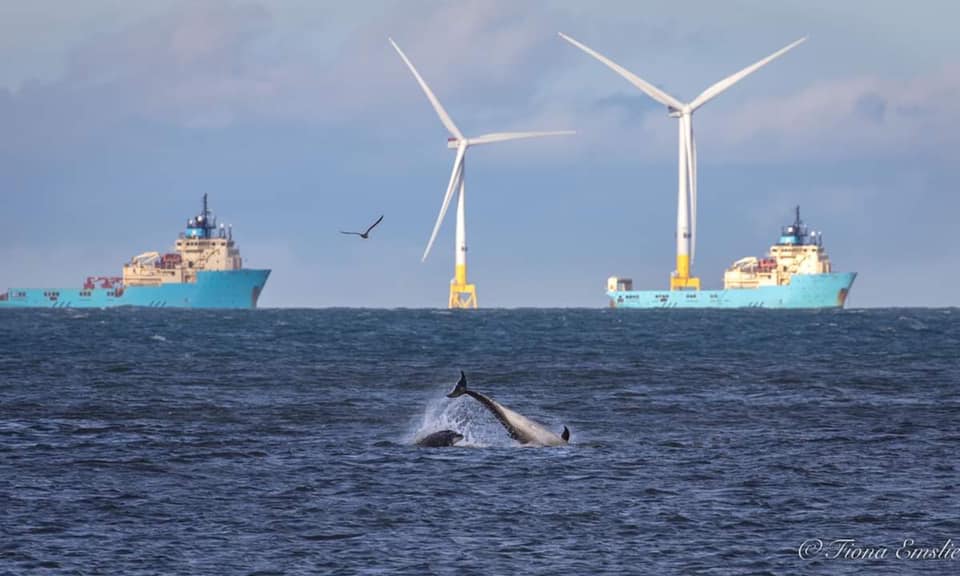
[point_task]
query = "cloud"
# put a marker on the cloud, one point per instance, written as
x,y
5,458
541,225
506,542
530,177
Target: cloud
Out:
x,y
486,61
632,105
845,118
871,107
210,64
495,65
848,118
195,64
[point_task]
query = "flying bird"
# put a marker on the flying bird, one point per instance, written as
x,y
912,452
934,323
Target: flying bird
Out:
x,y
365,234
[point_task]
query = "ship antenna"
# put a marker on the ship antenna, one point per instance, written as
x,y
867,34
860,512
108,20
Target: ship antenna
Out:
x,y
796,224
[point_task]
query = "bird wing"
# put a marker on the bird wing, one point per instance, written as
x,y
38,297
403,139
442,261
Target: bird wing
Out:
x,y
374,224
357,233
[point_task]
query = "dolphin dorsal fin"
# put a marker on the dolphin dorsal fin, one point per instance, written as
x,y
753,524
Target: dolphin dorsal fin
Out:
x,y
461,388
565,435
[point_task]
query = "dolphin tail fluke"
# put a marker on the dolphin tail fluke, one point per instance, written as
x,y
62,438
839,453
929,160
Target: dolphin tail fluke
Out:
x,y
565,435
461,388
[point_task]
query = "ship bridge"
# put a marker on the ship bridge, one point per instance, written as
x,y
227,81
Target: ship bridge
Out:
x,y
202,246
798,251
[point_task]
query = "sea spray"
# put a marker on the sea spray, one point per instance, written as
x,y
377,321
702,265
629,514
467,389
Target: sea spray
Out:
x,y
464,415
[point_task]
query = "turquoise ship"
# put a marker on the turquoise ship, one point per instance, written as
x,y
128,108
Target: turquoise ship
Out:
x,y
204,271
796,273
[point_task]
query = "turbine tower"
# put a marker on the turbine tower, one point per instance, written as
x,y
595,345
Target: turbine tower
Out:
x,y
462,294
687,165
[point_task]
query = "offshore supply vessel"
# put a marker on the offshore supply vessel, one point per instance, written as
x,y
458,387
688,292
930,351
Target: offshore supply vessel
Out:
x,y
796,273
204,271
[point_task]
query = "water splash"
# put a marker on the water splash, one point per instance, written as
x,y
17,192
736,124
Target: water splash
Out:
x,y
463,415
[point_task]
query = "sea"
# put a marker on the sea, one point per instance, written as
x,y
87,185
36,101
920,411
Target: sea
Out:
x,y
139,441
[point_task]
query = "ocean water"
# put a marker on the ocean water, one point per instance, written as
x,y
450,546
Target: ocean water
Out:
x,y
281,442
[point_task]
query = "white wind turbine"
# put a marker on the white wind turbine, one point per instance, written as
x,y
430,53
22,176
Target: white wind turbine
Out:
x,y
687,166
459,287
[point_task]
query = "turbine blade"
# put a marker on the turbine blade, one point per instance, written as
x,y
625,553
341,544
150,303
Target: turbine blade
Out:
x,y
715,90
647,88
453,185
504,136
444,117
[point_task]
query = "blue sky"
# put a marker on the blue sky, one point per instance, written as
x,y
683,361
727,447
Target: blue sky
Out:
x,y
299,119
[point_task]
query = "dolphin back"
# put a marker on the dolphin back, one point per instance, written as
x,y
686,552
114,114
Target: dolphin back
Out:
x,y
461,388
440,439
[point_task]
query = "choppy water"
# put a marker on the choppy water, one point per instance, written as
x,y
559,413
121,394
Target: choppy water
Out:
x,y
280,442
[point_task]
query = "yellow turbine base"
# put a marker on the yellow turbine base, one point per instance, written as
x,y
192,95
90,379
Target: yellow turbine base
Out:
x,y
463,296
681,279
684,283
683,266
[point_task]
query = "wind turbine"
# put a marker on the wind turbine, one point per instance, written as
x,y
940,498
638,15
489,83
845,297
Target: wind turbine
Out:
x,y
687,166
462,294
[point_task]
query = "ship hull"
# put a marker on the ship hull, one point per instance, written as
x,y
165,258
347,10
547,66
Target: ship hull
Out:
x,y
212,289
804,291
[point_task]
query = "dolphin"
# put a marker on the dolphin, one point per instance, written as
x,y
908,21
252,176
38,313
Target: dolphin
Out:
x,y
440,439
520,428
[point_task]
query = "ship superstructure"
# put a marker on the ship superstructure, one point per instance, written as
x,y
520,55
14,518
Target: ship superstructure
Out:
x,y
799,251
204,270
202,247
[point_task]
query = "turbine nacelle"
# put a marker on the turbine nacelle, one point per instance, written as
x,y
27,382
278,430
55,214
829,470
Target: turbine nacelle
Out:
x,y
678,111
453,143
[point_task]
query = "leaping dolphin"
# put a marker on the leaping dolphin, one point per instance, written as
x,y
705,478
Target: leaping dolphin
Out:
x,y
520,428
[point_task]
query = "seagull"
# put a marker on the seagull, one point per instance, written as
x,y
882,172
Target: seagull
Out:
x,y
366,234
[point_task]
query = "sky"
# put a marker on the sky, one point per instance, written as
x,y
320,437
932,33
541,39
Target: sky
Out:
x,y
299,120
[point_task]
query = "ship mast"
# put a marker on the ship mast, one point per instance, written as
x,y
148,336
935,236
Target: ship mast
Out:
x,y
205,223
